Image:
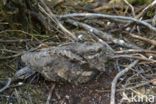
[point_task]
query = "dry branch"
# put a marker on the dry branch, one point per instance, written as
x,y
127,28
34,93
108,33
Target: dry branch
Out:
x,y
6,86
102,35
46,10
150,41
114,82
109,17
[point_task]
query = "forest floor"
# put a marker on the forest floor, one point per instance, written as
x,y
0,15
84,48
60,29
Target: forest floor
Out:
x,y
128,27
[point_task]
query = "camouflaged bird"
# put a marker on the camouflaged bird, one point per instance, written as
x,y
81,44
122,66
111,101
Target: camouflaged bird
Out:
x,y
73,62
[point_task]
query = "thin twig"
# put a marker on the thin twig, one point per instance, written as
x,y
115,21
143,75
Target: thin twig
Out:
x,y
115,80
146,9
132,8
102,35
12,56
14,41
114,17
50,94
18,54
46,10
32,35
135,51
6,86
134,57
150,41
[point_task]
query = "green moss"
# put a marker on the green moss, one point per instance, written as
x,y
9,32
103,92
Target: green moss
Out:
x,y
134,2
150,13
140,2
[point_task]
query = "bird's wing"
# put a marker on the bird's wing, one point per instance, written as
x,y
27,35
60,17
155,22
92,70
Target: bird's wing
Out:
x,y
36,59
72,56
44,57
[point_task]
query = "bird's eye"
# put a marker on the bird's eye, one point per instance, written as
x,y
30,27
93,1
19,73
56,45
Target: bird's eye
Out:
x,y
92,52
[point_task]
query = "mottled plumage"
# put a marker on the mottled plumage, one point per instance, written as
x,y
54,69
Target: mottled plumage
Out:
x,y
73,62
